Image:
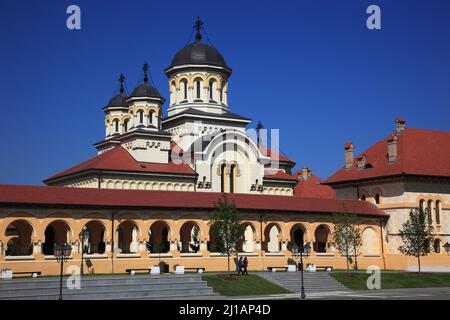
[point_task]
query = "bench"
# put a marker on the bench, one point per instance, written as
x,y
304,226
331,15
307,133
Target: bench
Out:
x,y
131,271
33,274
196,269
274,269
325,268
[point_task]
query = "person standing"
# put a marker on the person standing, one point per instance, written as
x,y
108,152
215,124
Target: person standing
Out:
x,y
239,266
245,266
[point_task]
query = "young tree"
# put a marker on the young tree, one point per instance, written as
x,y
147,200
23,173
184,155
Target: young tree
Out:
x,y
347,237
226,228
416,234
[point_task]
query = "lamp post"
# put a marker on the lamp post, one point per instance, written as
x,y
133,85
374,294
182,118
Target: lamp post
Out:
x,y
83,235
62,253
304,250
447,248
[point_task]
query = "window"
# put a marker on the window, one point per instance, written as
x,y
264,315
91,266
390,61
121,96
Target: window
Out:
x,y
198,85
221,95
422,205
116,125
150,118
223,177
429,211
125,125
212,89
141,117
437,212
437,246
184,88
232,178
377,198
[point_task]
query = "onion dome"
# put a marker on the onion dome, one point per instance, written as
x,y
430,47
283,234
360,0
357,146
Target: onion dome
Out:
x,y
145,89
119,100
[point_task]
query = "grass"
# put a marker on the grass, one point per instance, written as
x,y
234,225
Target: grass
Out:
x,y
242,285
395,280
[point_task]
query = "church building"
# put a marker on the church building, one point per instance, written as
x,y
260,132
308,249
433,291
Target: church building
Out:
x,y
162,165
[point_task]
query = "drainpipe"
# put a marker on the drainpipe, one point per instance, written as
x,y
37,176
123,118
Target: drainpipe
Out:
x,y
382,244
112,242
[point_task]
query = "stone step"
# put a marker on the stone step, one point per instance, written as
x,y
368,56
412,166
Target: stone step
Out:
x,y
4,293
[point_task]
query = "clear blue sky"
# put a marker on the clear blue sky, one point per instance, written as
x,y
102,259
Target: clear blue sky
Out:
x,y
310,68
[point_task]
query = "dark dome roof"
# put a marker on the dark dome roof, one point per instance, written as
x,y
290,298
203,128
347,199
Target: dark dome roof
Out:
x,y
199,53
117,101
145,90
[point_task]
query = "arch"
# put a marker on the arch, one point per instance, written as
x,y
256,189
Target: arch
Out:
x,y
322,236
158,234
95,242
422,205
223,177
233,174
190,233
127,236
248,242
272,237
369,242
437,245
183,83
198,83
18,236
57,232
298,234
126,121
437,211
429,211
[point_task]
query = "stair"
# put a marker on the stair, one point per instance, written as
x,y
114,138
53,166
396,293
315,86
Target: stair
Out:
x,y
314,282
108,288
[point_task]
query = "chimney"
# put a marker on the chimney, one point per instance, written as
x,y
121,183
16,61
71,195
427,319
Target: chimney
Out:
x,y
305,173
348,147
392,149
400,125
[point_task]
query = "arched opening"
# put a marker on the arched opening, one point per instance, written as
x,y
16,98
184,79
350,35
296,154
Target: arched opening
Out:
x,y
430,211
127,237
95,242
141,117
159,237
437,212
422,205
190,237
369,242
18,236
377,198
212,90
298,235
198,88
151,118
272,234
57,232
173,93
437,246
322,235
247,243
125,125
184,88
233,178
223,176
116,125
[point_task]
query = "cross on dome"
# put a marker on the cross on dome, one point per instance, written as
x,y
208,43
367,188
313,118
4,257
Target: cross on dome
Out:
x,y
198,25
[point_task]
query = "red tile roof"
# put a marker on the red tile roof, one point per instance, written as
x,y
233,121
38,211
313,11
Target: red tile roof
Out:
x,y
274,156
420,152
118,159
277,175
61,196
312,188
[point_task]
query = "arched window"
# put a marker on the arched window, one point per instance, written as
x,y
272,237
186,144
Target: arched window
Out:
x,y
141,117
116,125
198,87
184,88
150,117
429,211
422,205
437,212
212,90
437,246
125,125
232,178
173,92
223,176
377,198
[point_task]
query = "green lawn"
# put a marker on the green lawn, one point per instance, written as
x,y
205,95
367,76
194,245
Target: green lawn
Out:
x,y
394,280
242,285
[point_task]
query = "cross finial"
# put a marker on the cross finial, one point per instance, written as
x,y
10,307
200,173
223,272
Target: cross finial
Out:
x,y
259,126
198,25
121,80
145,68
